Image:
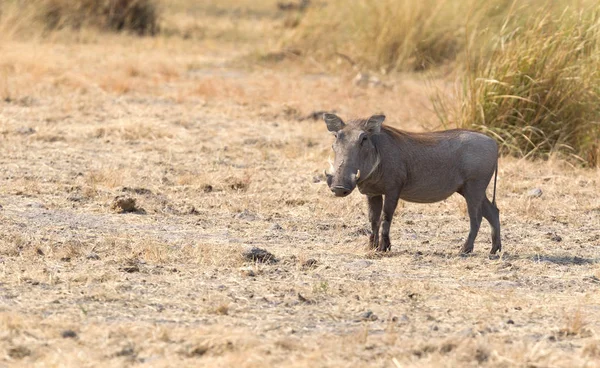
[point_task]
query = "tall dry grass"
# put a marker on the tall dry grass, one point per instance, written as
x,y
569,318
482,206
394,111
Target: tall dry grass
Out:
x,y
538,92
530,67
386,34
410,35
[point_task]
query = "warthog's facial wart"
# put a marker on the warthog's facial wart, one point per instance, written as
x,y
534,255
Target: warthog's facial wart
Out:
x,y
354,151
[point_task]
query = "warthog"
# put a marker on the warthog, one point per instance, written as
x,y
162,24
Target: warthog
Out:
x,y
388,164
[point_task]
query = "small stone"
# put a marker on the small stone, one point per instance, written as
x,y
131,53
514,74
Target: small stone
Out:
x,y
198,351
68,334
92,256
367,316
126,351
190,210
305,300
247,216
534,193
138,190
75,197
25,131
276,227
510,322
554,237
247,271
130,269
19,352
309,263
124,204
259,255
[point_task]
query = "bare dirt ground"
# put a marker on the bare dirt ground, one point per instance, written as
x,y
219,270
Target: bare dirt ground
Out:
x,y
221,157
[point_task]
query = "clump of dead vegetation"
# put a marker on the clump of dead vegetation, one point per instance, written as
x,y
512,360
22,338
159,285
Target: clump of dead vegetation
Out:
x,y
136,16
388,34
408,35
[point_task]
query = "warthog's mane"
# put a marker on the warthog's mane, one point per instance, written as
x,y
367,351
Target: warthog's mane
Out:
x,y
428,138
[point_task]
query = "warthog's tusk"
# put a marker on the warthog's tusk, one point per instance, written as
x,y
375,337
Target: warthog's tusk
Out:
x,y
357,175
325,173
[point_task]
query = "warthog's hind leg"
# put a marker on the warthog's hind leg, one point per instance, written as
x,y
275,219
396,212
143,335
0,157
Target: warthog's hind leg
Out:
x,y
375,206
474,192
492,215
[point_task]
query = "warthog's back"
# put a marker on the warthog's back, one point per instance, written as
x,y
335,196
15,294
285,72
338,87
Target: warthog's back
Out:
x,y
437,164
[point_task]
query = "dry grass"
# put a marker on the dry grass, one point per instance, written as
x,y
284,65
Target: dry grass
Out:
x,y
229,167
530,68
392,35
538,92
387,35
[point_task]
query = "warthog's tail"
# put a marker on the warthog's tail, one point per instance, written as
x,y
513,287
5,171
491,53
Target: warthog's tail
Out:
x,y
495,179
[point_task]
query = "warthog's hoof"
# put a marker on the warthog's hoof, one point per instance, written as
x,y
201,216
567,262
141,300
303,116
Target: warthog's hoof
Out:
x,y
384,244
465,250
496,249
383,247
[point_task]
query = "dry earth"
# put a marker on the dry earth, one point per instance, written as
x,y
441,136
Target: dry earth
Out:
x,y
220,157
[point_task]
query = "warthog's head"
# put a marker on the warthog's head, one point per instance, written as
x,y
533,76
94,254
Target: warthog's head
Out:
x,y
355,154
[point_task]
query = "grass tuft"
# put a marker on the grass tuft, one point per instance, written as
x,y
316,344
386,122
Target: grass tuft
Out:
x,y
387,34
137,16
538,93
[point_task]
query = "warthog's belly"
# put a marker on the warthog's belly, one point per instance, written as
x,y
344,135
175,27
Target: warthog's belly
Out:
x,y
430,192
425,199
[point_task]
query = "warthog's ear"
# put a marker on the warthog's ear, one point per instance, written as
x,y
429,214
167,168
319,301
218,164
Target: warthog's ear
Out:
x,y
334,123
373,125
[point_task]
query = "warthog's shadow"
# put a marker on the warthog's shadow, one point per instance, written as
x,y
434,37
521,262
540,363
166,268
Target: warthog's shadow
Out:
x,y
555,259
563,260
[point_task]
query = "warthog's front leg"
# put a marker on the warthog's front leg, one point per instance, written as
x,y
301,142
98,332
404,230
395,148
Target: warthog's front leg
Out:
x,y
389,206
375,205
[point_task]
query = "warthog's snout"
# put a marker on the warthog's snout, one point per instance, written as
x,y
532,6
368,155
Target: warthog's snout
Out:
x,y
341,191
344,188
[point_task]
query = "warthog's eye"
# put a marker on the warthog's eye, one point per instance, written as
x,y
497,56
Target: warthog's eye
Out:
x,y
363,139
